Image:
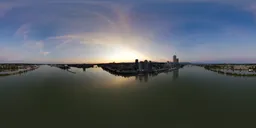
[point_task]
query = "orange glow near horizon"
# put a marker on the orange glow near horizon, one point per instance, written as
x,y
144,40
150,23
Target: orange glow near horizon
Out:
x,y
123,54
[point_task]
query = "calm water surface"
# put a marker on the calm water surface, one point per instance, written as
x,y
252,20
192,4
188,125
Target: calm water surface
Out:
x,y
189,98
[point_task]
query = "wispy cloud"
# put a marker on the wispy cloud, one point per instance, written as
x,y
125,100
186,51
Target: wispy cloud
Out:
x,y
93,2
36,46
23,31
123,29
252,8
44,53
5,7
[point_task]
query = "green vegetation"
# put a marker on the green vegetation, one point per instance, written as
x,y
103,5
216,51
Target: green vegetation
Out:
x,y
213,67
8,68
12,69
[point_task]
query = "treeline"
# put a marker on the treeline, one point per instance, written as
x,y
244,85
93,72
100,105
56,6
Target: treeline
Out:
x,y
8,67
213,67
234,74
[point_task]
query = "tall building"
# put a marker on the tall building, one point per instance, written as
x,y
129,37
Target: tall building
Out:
x,y
145,65
177,61
174,59
136,64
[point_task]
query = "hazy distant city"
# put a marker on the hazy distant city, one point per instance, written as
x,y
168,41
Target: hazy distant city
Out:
x,y
137,68
125,69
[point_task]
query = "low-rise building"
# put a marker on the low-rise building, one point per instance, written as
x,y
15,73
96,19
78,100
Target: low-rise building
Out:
x,y
141,66
146,65
241,67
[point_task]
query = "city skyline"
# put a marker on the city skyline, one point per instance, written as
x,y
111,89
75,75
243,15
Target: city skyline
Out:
x,y
86,31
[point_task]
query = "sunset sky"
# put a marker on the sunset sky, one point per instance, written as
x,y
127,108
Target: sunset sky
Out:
x,y
92,31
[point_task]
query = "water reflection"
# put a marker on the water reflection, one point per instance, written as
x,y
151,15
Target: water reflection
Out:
x,y
16,73
49,93
147,76
175,74
143,78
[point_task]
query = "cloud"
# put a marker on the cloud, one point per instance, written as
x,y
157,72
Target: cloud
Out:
x,y
44,53
93,2
5,7
63,43
213,1
40,46
68,25
124,1
23,31
252,8
36,46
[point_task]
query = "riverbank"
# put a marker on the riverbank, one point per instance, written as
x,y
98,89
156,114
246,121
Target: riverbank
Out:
x,y
19,71
233,73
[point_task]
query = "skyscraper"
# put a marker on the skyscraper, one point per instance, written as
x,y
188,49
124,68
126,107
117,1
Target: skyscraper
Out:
x,y
174,59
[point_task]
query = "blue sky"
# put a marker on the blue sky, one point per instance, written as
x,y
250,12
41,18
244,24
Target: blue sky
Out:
x,y
89,31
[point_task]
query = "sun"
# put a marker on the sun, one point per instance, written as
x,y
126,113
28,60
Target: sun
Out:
x,y
123,54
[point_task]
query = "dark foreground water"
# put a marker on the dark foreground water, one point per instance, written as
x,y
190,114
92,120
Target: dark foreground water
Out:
x,y
189,98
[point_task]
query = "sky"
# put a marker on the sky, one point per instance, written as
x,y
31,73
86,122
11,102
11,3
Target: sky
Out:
x,y
96,31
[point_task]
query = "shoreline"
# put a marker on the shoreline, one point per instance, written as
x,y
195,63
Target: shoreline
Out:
x,y
232,73
19,72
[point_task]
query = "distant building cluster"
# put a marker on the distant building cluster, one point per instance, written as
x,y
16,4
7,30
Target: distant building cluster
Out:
x,y
175,60
147,66
143,65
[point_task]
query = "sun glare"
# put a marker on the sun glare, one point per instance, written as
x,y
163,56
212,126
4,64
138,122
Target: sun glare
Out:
x,y
121,54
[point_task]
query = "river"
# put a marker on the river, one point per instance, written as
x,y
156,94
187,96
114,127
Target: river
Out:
x,y
191,97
